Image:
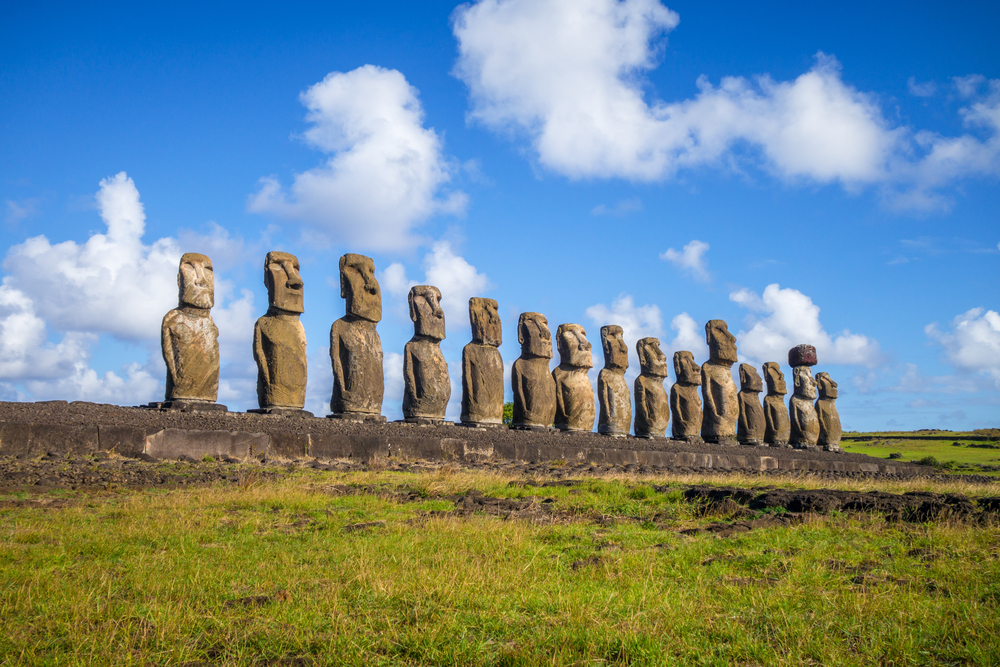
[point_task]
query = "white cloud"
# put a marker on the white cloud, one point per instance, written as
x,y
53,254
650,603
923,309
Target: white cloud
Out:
x,y
111,283
647,320
57,300
636,321
569,75
452,274
17,211
973,344
691,259
968,86
385,174
926,89
783,318
392,370
690,336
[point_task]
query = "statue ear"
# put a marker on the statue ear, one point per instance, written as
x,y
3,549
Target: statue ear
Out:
x,y
413,309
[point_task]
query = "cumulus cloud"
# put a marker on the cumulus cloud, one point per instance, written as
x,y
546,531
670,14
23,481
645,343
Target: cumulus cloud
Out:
x,y
568,74
58,299
973,344
783,318
457,279
386,172
691,259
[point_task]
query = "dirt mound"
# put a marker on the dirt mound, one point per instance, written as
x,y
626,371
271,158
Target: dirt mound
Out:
x,y
912,506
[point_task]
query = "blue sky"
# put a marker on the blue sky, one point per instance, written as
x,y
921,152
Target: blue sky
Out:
x,y
822,175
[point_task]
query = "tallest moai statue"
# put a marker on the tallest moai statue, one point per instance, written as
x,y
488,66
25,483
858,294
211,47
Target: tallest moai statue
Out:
x,y
190,340
355,348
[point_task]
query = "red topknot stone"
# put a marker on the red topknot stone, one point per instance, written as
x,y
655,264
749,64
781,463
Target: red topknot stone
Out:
x,y
802,355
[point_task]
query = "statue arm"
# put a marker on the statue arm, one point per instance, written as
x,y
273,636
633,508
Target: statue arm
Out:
x,y
167,346
335,350
708,394
606,399
258,354
408,376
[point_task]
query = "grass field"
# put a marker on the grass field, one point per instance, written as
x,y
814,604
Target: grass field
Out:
x,y
370,568
967,456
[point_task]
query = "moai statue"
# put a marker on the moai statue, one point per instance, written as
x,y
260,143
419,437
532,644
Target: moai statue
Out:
x,y
776,426
826,412
652,407
279,341
482,367
802,416
532,384
427,386
615,417
190,340
685,404
750,429
721,406
574,393
355,348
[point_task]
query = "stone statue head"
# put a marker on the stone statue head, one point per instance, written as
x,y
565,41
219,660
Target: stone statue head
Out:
x,y
195,281
749,380
685,370
721,343
425,311
574,348
283,282
359,287
534,336
805,386
485,322
615,349
651,358
827,387
775,379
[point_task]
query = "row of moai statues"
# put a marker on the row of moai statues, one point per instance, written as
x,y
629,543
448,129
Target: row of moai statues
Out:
x,y
561,399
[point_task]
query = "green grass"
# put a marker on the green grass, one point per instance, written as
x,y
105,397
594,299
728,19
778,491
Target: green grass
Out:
x,y
941,448
160,578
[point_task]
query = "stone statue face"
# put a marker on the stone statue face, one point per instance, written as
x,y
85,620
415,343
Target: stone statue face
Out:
x,y
685,370
534,336
425,311
651,358
284,284
485,322
196,281
775,379
721,343
574,348
805,386
615,349
827,387
749,380
359,287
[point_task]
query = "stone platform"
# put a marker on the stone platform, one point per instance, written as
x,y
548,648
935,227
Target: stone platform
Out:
x,y
33,429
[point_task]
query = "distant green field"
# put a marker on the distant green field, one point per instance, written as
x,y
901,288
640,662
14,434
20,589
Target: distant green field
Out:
x,y
956,451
